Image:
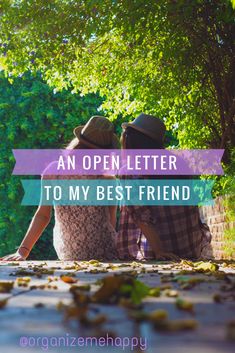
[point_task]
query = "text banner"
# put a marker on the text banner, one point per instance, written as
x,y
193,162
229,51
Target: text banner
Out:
x,y
118,162
112,192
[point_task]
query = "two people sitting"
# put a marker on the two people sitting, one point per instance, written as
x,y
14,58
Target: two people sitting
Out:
x,y
144,232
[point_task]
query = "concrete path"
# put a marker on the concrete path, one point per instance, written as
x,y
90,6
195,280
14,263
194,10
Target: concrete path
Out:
x,y
32,310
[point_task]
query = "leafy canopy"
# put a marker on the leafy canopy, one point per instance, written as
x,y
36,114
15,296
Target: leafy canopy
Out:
x,y
174,59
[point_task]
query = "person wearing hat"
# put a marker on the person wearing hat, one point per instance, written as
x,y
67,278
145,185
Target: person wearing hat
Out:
x,y
157,232
80,232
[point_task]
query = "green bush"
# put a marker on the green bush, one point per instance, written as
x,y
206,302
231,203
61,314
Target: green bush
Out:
x,y
229,204
32,116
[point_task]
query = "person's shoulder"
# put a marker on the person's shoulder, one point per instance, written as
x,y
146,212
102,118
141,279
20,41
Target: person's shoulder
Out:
x,y
50,171
109,177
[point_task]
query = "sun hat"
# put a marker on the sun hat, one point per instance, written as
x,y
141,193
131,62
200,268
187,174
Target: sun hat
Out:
x,y
98,132
148,125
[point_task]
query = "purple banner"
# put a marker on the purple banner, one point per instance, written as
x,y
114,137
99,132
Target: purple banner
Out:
x,y
117,162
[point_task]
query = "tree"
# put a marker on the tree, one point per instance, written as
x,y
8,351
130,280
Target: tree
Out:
x,y
32,116
175,59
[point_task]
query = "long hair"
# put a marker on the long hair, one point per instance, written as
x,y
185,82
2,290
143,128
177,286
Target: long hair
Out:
x,y
133,139
76,144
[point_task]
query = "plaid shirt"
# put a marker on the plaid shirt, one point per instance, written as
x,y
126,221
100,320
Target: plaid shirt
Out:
x,y
179,227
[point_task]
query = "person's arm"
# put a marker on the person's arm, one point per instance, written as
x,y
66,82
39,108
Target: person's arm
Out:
x,y
112,209
113,215
38,224
151,234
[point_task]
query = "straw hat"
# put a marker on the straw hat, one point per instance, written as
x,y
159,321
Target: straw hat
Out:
x,y
148,125
97,133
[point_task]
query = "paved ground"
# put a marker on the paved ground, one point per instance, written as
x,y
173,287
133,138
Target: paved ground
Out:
x,y
33,312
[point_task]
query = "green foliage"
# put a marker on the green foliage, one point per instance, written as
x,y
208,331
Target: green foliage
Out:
x,y
135,291
229,247
225,186
229,204
171,58
32,116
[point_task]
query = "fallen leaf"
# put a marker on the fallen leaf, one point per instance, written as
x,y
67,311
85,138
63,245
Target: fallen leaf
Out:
x,y
68,279
22,272
52,279
94,262
176,325
112,267
76,312
113,288
183,304
110,287
143,270
79,297
202,266
171,293
50,286
6,287
23,281
138,315
98,270
157,315
135,264
33,271
3,303
186,263
154,292
186,272
136,291
60,306
187,282
82,287
39,305
217,298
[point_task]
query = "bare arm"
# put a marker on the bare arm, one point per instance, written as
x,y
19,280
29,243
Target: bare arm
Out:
x,y
112,209
38,224
153,238
113,215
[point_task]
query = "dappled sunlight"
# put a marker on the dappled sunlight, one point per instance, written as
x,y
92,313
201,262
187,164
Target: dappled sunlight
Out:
x,y
164,300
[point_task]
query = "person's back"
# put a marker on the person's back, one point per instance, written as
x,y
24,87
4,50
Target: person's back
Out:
x,y
80,232
180,230
83,232
171,231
